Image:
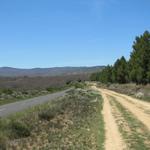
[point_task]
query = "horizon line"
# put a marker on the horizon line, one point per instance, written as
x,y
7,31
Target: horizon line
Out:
x,y
52,67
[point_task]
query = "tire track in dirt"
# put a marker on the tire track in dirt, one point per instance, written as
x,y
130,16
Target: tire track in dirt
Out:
x,y
113,140
132,107
141,104
134,132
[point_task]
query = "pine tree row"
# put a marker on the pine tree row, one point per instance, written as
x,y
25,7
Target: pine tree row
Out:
x,y
135,70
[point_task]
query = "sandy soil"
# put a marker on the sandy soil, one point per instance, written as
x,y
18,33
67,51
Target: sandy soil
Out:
x,y
140,103
113,140
137,107
140,109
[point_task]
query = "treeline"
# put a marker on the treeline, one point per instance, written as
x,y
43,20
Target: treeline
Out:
x,y
135,70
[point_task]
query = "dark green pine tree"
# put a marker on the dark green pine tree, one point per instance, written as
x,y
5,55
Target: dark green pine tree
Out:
x,y
106,75
139,63
95,76
120,71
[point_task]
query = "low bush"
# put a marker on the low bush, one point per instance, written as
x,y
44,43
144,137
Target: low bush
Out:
x,y
3,142
80,85
48,114
7,91
53,89
68,82
19,129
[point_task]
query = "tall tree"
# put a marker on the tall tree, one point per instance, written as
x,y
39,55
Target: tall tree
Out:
x,y
95,76
106,75
120,71
140,59
137,69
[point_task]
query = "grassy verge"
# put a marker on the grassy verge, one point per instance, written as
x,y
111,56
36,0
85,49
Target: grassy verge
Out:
x,y
35,94
136,135
72,122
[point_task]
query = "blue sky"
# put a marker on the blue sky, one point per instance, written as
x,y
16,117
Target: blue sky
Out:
x,y
48,33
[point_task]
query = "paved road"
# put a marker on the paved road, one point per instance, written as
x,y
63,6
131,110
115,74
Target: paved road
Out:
x,y
8,109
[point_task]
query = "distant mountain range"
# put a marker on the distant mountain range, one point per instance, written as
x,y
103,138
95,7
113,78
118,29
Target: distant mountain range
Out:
x,y
56,71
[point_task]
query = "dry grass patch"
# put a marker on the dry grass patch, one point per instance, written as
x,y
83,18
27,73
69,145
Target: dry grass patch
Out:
x,y
72,122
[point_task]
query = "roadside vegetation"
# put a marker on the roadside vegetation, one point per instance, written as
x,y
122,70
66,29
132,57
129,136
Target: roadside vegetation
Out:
x,y
134,132
11,95
72,122
14,89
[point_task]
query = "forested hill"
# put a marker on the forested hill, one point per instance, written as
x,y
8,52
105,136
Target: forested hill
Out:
x,y
135,70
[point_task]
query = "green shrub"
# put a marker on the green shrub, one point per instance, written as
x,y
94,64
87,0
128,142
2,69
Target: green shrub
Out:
x,y
7,91
3,142
19,129
68,82
53,89
79,80
25,92
79,85
48,114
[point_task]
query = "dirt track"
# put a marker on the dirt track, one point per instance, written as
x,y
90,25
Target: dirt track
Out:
x,y
113,138
139,109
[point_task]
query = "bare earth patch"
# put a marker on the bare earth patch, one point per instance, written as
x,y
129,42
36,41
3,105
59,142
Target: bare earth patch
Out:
x,y
114,140
127,121
134,106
